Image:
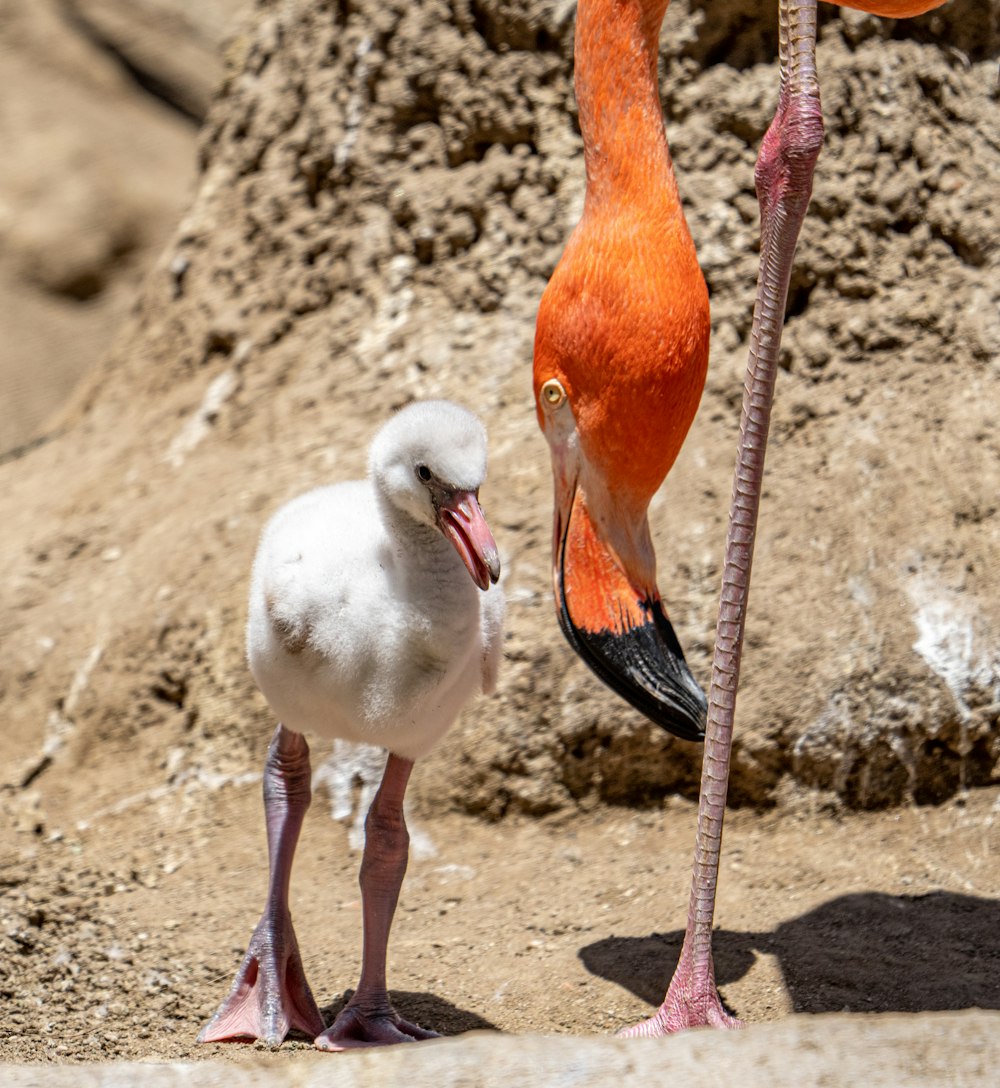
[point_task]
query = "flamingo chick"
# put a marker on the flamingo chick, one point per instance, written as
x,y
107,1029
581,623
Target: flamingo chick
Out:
x,y
364,625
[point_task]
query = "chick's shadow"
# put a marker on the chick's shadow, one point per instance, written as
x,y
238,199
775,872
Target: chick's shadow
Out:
x,y
427,1010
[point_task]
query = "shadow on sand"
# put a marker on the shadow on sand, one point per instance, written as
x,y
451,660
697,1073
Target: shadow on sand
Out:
x,y
858,953
427,1010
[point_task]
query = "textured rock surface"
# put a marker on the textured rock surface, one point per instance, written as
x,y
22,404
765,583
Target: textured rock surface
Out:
x,y
384,189
961,1050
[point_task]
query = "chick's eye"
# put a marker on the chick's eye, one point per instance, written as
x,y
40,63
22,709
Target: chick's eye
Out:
x,y
423,473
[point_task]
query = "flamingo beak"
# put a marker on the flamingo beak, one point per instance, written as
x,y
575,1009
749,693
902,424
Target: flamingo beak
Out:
x,y
612,616
462,521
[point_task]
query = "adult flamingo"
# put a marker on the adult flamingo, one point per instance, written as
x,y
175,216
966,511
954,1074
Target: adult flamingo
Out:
x,y
599,348
621,351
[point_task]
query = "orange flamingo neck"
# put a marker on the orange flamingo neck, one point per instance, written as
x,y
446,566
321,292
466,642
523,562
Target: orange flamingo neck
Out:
x,y
625,148
623,323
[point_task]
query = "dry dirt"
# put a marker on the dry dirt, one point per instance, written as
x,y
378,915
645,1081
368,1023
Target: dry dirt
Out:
x,y
383,189
119,941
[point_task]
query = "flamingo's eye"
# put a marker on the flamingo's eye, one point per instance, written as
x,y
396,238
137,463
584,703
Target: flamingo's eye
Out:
x,y
423,473
553,394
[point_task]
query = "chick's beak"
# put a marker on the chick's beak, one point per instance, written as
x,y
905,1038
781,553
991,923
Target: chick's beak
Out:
x,y
462,521
611,614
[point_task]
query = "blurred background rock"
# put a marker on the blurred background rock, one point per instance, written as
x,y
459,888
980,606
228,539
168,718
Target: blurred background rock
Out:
x,y
100,108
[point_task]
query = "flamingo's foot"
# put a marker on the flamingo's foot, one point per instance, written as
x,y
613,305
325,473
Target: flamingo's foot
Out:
x,y
683,1009
270,995
356,1028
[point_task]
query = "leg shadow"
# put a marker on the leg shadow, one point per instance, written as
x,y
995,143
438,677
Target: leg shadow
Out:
x,y
427,1010
644,965
868,952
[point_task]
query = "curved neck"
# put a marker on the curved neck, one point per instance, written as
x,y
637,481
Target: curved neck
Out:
x,y
418,550
625,148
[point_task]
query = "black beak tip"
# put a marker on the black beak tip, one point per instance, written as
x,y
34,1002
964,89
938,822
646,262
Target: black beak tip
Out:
x,y
684,709
662,687
645,666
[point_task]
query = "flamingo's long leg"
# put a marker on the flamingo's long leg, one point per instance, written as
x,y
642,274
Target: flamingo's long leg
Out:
x,y
784,184
369,1019
270,994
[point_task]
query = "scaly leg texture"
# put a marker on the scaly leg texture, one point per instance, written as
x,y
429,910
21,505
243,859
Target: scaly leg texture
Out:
x,y
270,994
784,184
369,1018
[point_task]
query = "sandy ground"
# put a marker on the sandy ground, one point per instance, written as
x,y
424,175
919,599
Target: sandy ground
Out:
x,y
118,940
305,293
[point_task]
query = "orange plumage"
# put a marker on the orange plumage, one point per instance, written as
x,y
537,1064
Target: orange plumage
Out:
x,y
624,321
621,352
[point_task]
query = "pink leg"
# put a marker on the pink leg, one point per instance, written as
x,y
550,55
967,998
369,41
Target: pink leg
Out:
x,y
270,994
784,184
369,1019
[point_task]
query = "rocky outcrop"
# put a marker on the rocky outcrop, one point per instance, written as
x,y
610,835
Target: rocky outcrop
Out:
x,y
383,190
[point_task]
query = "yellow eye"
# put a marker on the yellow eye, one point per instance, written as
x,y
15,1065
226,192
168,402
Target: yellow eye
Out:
x,y
553,393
